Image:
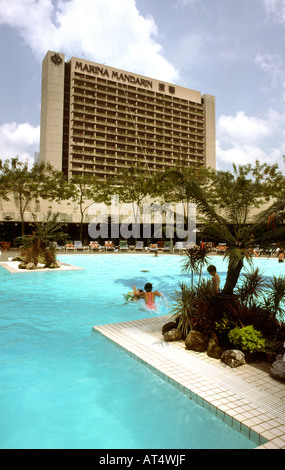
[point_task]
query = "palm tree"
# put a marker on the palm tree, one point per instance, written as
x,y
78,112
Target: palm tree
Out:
x,y
276,298
235,195
253,286
39,245
196,259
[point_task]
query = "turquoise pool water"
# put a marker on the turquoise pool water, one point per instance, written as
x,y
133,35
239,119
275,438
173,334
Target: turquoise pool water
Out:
x,y
64,386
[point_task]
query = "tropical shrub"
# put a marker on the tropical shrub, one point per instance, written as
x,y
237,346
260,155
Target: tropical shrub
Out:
x,y
39,247
191,308
223,327
247,339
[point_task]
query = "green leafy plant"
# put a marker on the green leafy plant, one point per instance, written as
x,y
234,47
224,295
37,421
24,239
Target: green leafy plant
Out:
x,y
247,339
223,327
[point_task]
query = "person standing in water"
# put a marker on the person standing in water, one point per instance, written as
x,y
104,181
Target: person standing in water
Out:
x,y
215,279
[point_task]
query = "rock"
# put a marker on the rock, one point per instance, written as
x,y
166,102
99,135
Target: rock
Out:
x,y
169,326
213,349
54,265
30,266
196,341
172,335
277,370
17,258
22,266
233,357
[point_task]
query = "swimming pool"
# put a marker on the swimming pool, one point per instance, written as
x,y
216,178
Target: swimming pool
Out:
x,y
64,386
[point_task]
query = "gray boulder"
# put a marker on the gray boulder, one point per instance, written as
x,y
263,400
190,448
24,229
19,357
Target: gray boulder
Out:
x,y
22,266
277,370
54,265
213,349
196,341
31,266
172,335
169,326
233,357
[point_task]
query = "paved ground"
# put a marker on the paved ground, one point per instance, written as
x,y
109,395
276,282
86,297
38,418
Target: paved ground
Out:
x,y
247,397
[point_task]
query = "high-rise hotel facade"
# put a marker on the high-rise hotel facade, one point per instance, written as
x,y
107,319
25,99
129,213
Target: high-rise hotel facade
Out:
x,y
96,119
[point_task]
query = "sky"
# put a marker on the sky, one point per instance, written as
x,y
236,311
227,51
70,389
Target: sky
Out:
x,y
232,49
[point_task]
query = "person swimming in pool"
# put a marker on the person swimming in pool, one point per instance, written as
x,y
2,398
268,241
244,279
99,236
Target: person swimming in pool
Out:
x,y
134,295
149,296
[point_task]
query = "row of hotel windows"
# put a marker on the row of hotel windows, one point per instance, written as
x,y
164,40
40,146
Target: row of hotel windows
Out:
x,y
90,97
123,104
140,123
115,166
160,156
106,84
91,86
136,114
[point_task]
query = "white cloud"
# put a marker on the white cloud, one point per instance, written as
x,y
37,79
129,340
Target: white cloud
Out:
x,y
19,140
273,66
243,139
191,3
110,31
242,128
275,9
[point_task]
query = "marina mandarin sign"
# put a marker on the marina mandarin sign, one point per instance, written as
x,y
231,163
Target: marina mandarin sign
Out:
x,y
113,74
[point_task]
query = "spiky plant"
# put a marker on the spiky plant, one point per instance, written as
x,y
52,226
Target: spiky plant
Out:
x,y
38,245
252,287
196,259
192,308
276,297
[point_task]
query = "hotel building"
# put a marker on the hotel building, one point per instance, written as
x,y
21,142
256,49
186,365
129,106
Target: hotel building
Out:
x,y
96,119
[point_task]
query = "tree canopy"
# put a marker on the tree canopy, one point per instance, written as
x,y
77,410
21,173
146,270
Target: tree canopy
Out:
x,y
42,181
226,211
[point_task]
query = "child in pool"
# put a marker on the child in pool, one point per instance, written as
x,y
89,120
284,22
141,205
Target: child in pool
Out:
x,y
215,279
149,296
134,295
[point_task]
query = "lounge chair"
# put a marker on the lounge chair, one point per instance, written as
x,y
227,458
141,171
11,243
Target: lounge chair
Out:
x,y
94,246
166,246
161,244
109,245
78,246
178,247
123,245
69,247
153,247
139,245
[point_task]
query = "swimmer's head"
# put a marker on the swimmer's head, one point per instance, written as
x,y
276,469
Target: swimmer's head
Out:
x,y
148,287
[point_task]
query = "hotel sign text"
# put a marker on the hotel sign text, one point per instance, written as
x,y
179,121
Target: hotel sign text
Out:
x,y
119,76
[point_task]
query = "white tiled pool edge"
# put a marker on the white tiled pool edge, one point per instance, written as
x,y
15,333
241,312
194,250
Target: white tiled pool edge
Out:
x,y
246,398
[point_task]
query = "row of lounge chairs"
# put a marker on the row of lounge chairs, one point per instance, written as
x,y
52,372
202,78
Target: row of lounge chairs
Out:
x,y
123,246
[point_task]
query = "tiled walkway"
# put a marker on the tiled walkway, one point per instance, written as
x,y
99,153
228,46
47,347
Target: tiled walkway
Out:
x,y
246,397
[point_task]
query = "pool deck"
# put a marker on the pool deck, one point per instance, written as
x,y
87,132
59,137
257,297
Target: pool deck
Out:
x,y
246,397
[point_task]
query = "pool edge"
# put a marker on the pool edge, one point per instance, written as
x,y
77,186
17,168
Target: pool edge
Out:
x,y
257,438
